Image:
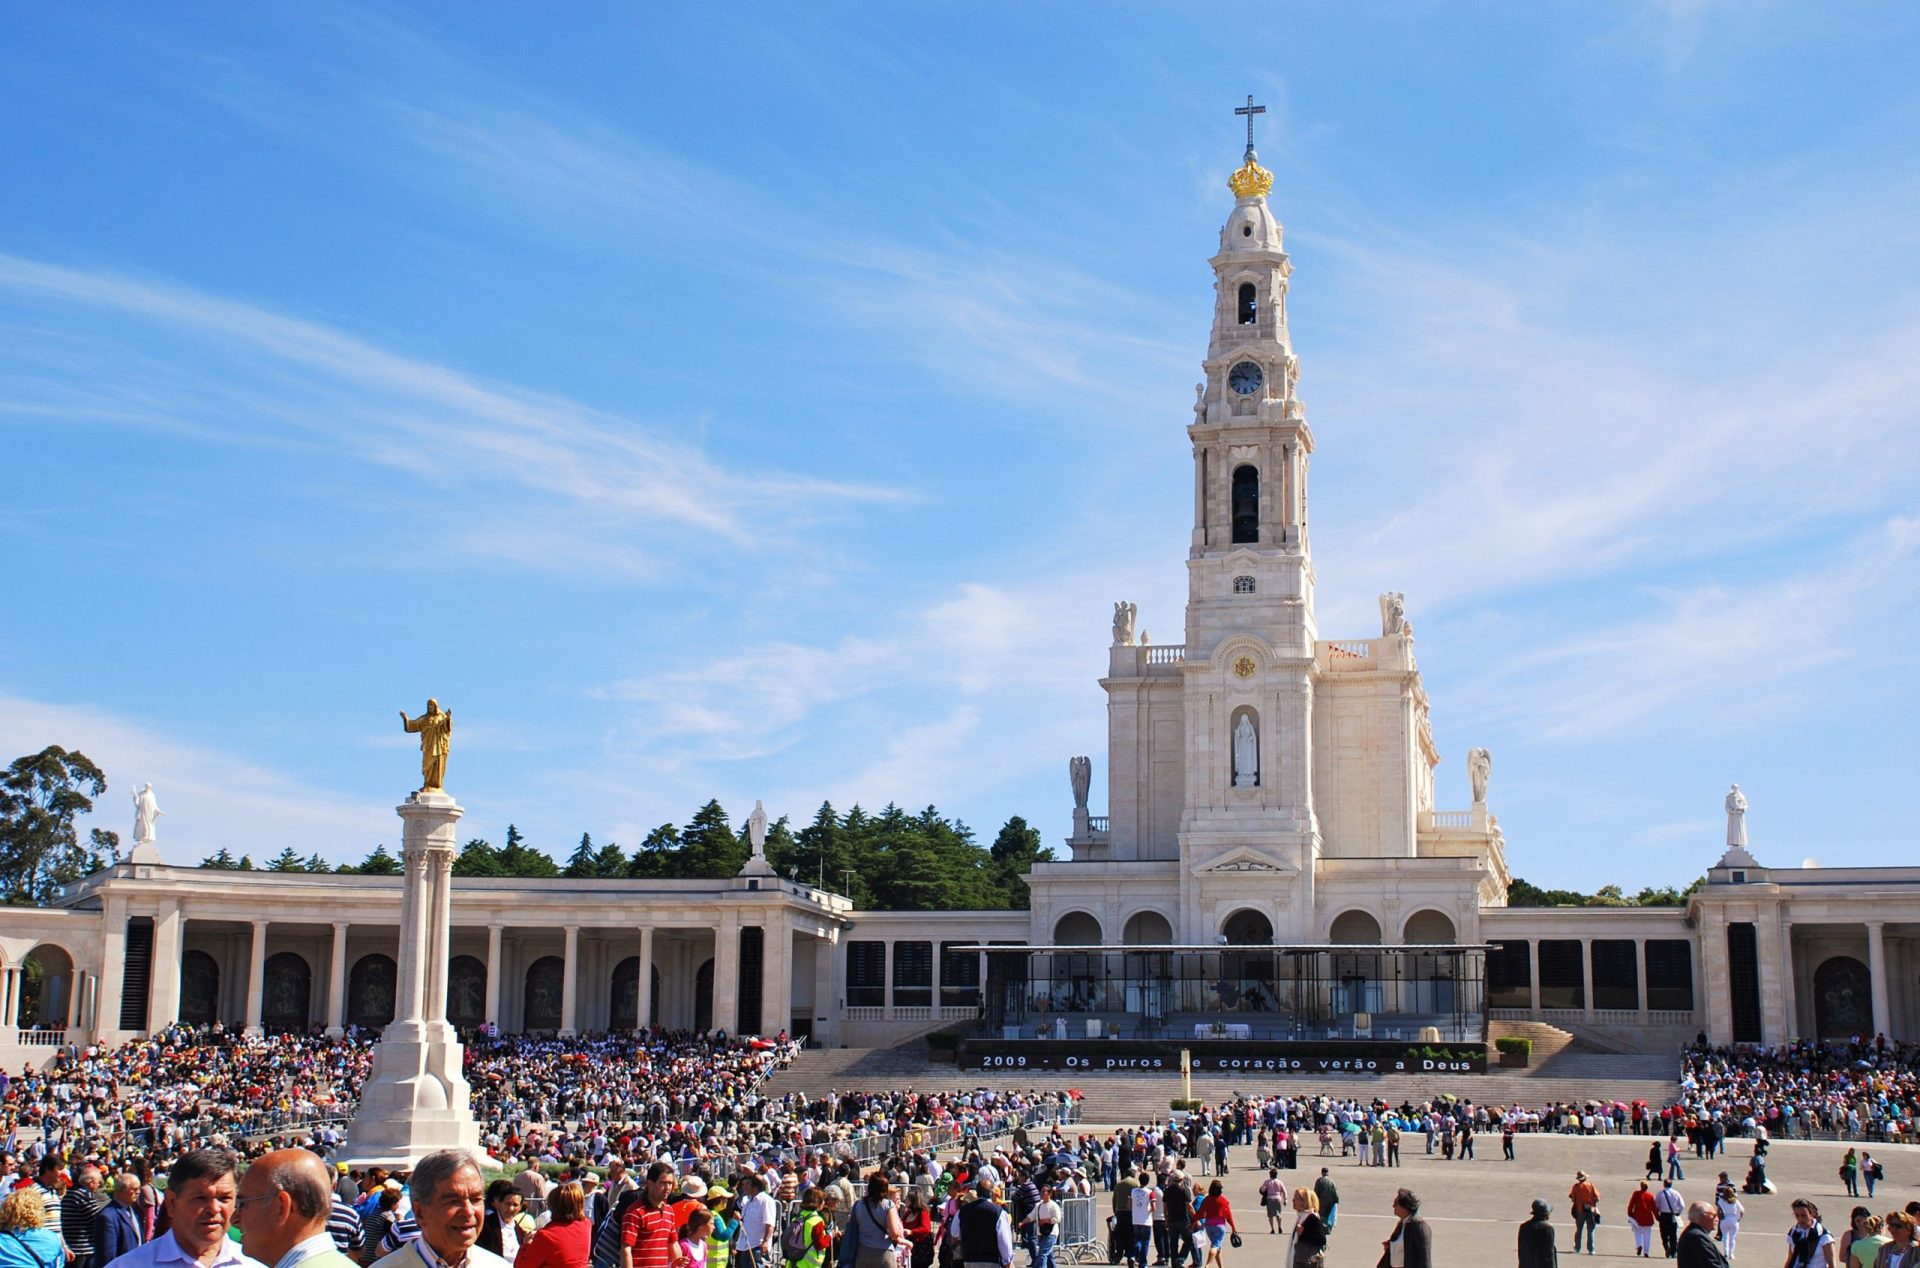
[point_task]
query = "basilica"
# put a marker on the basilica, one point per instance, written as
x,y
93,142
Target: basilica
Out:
x,y
1274,878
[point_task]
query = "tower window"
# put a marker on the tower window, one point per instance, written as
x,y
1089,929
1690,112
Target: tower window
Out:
x,y
1243,585
1249,303
1246,504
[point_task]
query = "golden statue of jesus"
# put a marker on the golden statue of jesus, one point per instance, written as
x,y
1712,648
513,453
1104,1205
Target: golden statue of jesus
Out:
x,y
435,729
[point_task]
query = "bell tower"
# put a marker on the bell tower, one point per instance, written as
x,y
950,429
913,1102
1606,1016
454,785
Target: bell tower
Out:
x,y
1248,835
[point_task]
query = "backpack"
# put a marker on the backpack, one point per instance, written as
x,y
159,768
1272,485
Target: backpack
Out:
x,y
606,1238
794,1241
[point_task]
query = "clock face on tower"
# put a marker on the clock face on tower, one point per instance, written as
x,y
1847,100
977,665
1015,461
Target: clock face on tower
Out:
x,y
1244,378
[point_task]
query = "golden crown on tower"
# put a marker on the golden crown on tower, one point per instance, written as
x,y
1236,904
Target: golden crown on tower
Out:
x,y
1250,180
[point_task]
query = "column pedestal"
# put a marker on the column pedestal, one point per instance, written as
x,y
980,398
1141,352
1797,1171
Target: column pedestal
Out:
x,y
416,1099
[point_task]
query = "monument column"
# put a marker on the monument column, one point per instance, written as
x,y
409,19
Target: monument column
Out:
x,y
493,975
416,1099
164,996
570,982
1770,951
1877,967
643,991
257,978
726,972
337,982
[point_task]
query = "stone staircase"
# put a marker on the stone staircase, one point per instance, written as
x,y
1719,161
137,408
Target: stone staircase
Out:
x,y
1548,1041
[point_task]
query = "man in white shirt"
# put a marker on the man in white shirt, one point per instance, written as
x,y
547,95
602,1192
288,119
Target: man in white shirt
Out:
x,y
449,1204
282,1212
200,1204
759,1218
1146,1207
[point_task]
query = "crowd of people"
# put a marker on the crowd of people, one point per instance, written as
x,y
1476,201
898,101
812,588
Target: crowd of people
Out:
x,y
1864,1090
894,1178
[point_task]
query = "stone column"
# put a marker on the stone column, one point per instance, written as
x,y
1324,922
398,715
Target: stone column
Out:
x,y
1789,989
776,973
1715,984
416,1099
493,975
1533,977
1586,973
103,1010
1877,967
826,996
1770,957
163,998
643,990
726,972
257,978
6,998
569,981
337,981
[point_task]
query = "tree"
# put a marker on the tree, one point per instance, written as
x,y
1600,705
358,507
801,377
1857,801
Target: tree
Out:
x,y
478,858
1522,894
521,859
287,861
580,865
315,863
1014,852
378,863
708,848
609,862
40,849
221,861
655,857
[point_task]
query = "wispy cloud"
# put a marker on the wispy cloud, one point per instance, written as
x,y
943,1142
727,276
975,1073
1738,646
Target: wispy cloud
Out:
x,y
616,478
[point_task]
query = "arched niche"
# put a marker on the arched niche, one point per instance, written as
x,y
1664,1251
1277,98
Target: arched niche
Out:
x,y
1243,747
1357,985
623,995
703,996
1245,504
1147,929
1842,998
371,988
1078,929
199,988
546,983
286,993
467,992
46,994
1428,928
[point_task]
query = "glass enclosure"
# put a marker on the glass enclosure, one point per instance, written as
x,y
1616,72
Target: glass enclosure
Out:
x,y
1236,992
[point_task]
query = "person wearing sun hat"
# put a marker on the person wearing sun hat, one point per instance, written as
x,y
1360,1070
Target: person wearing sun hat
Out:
x,y
726,1226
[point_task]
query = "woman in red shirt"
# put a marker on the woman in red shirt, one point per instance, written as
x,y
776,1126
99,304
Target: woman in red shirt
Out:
x,y
1216,1220
567,1240
1641,1217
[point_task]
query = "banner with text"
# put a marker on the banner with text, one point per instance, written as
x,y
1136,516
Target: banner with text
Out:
x,y
1226,1056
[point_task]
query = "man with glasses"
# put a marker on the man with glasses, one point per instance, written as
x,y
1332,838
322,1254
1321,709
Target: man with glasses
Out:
x,y
285,1201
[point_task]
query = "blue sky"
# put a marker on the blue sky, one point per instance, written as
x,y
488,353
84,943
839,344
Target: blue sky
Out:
x,y
774,405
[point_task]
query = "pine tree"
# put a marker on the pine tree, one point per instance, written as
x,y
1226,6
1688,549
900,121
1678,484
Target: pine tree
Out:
x,y
287,861
315,863
221,861
521,859
581,864
609,863
708,848
657,855
381,863
478,858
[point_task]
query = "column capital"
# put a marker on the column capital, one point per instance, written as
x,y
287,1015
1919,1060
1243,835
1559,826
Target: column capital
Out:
x,y
342,925
260,924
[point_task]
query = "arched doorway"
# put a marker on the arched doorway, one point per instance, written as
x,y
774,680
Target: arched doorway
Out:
x,y
1434,974
623,1002
1149,973
467,992
1842,998
286,993
1074,984
703,997
199,989
1356,986
46,988
546,984
370,991
1247,977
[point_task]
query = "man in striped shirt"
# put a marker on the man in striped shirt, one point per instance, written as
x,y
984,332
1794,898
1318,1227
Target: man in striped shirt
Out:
x,y
343,1225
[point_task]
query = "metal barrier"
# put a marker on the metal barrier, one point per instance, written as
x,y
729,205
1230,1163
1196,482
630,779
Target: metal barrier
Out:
x,y
1083,1237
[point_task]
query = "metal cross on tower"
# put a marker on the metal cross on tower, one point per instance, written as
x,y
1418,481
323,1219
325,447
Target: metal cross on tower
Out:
x,y
1249,110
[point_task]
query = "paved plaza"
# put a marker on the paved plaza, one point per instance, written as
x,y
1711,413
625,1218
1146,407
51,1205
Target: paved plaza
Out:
x,y
1476,1206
